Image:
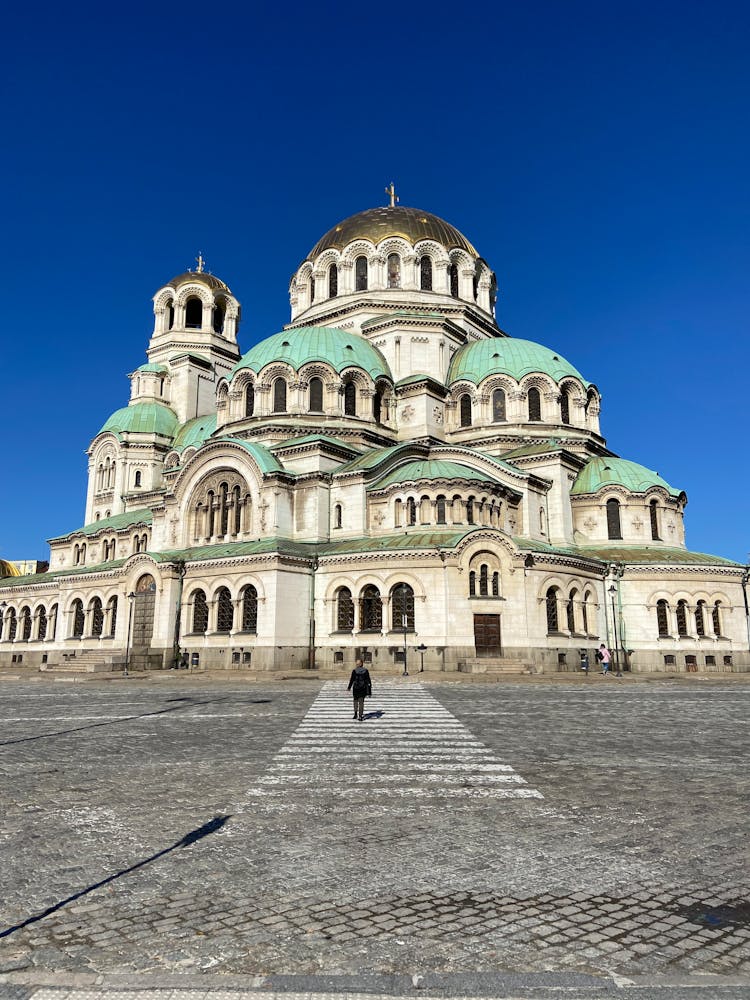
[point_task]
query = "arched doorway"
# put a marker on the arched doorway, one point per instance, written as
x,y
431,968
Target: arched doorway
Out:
x,y
143,613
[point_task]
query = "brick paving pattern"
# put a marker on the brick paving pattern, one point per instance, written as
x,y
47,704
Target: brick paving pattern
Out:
x,y
257,830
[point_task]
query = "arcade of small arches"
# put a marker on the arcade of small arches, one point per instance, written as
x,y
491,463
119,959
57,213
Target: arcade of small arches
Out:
x,y
221,509
700,619
223,614
368,612
109,548
105,475
613,509
95,620
336,396
456,508
394,264
194,307
572,613
567,405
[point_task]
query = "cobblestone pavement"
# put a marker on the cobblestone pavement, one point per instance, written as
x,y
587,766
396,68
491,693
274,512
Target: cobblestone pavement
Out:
x,y
257,830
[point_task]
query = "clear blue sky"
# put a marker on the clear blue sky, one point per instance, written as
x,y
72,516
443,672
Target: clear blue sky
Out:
x,y
595,154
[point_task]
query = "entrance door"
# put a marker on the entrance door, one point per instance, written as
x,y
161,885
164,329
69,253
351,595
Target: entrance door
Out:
x,y
487,635
143,612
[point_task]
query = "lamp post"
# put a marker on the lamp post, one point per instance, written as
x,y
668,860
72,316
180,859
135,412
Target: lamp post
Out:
x,y
405,623
3,606
612,591
421,649
131,601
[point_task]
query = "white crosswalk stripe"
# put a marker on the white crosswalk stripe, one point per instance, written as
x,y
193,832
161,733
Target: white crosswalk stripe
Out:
x,y
409,746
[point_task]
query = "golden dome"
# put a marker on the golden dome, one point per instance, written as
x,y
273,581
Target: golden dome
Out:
x,y
377,224
8,569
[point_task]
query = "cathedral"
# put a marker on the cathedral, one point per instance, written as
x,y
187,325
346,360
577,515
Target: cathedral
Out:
x,y
390,476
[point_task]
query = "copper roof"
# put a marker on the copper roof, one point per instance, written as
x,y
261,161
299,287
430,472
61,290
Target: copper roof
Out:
x,y
376,224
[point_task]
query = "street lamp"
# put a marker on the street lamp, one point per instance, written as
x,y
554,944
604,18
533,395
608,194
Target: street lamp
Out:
x,y
421,649
612,591
131,599
3,606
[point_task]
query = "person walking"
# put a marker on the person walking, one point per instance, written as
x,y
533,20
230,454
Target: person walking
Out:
x,y
605,656
360,686
585,662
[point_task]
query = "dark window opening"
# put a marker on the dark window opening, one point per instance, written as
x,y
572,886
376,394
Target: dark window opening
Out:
x,y
498,406
614,529
371,610
333,281
279,395
194,314
465,410
425,273
200,612
316,395
250,609
350,399
344,610
224,611
402,607
535,404
360,274
249,400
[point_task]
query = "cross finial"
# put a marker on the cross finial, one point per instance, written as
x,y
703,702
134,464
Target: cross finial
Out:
x,y
391,192
200,262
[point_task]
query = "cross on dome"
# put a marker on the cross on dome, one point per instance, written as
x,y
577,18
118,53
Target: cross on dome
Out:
x,y
391,192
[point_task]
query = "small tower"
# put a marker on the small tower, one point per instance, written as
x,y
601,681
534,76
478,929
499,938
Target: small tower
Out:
x,y
196,318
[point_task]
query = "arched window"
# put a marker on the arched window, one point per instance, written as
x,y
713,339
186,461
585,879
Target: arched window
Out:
x,y
425,273
495,584
470,510
552,619
371,610
312,287
700,618
25,617
219,312
585,612
337,515
484,580
249,609
350,399
137,481
360,274
716,618
279,395
440,510
12,624
682,619
662,619
411,511
465,409
402,607
78,618
112,611
472,583
498,406
224,509
453,280
249,399
397,510
535,404
200,613
194,314
653,508
570,611
96,617
333,281
316,395
377,406
224,610
344,610
614,529
170,315
564,407
52,621
394,270
42,615
237,502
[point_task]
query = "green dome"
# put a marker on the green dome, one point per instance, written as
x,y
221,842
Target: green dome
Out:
x,y
194,432
316,343
143,418
600,473
150,366
508,356
413,471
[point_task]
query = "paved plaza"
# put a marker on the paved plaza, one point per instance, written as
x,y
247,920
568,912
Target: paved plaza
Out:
x,y
192,836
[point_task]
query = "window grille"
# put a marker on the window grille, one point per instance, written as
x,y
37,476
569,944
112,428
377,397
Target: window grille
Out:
x,y
552,620
97,617
402,607
200,612
472,583
360,274
78,619
411,511
495,584
333,281
483,580
570,612
716,618
224,610
614,529
26,624
394,270
682,629
371,610
565,408
249,400
250,609
344,610
42,623
112,608
662,618
453,280
425,273
700,619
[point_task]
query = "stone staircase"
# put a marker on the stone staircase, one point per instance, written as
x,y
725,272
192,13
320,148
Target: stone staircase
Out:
x,y
86,661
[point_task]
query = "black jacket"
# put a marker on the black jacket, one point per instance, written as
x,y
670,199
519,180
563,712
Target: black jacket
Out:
x,y
360,682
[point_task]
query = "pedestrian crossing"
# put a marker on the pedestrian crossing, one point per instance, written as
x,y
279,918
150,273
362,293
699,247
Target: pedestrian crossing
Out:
x,y
408,747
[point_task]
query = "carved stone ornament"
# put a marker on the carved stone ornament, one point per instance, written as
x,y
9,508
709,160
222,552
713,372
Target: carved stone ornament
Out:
x,y
637,523
437,414
589,523
378,517
407,414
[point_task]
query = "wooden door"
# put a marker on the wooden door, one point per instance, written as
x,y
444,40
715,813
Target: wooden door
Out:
x,y
487,635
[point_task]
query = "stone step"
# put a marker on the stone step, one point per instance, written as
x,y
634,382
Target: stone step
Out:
x,y
494,665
